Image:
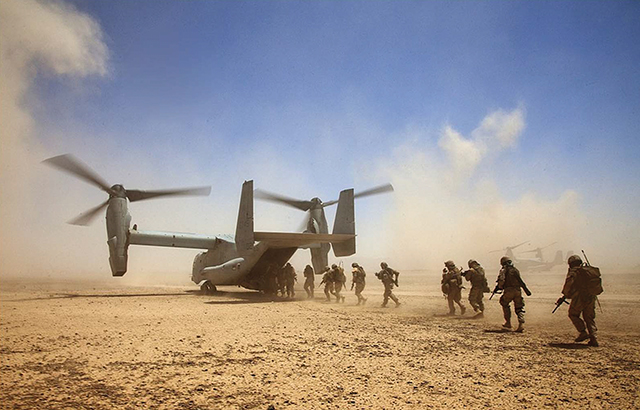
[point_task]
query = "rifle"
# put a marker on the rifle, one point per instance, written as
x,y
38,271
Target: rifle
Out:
x,y
559,303
524,286
495,290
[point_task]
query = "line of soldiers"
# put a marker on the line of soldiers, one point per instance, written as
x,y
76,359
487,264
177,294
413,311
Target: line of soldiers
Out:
x,y
509,282
582,285
334,281
280,281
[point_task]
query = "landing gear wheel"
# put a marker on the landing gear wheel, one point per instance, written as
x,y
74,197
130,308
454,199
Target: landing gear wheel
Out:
x,y
208,288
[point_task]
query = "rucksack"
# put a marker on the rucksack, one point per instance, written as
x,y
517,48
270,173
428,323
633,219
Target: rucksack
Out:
x,y
592,281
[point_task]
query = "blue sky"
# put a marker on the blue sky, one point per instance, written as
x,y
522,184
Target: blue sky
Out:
x,y
312,97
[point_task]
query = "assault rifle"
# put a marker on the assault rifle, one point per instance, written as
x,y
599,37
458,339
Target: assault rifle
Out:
x,y
559,303
495,290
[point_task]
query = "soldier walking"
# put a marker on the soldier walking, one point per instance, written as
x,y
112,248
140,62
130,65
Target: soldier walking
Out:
x,y
479,286
358,281
309,281
452,287
388,277
339,282
327,280
290,278
583,301
511,283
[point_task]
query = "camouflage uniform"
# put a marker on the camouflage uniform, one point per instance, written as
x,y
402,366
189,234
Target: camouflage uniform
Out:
x,y
452,283
582,303
309,281
389,277
339,282
290,278
327,280
358,281
509,279
479,286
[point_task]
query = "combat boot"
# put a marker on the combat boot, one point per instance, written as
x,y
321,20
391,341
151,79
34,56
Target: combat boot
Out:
x,y
398,304
507,325
520,328
582,337
593,341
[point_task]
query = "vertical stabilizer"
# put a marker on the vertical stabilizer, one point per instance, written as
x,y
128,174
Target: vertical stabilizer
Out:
x,y
244,228
345,223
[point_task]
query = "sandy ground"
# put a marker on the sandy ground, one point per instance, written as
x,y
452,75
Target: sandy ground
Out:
x,y
96,345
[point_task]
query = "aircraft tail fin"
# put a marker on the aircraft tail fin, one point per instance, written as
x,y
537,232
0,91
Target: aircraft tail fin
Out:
x,y
244,229
558,258
345,223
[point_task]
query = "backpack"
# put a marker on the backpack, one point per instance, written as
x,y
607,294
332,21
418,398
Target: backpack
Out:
x,y
591,279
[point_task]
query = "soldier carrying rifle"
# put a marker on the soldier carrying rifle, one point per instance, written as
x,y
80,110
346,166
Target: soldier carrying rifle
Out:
x,y
511,284
582,285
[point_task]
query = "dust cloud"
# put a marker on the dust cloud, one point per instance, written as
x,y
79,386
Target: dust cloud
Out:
x,y
36,38
444,210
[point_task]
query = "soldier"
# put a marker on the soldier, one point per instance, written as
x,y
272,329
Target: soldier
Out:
x,y
511,283
452,287
271,286
327,280
479,286
389,277
339,282
281,281
290,278
358,281
309,281
582,301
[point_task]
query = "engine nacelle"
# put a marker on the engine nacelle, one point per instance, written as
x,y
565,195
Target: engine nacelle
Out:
x,y
118,222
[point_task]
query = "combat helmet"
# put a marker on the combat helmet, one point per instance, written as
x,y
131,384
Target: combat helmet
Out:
x,y
334,266
354,265
384,265
472,263
574,260
505,260
449,264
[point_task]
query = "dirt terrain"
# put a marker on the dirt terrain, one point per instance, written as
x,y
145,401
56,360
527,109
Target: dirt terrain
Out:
x,y
88,344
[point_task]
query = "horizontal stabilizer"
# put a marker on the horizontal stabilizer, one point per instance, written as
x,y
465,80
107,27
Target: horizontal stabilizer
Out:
x,y
297,240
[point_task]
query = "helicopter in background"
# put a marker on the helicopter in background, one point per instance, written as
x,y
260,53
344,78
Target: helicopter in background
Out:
x,y
243,259
316,221
537,264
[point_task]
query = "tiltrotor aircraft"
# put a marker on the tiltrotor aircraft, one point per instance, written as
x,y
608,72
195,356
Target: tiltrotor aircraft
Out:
x,y
241,260
316,220
538,264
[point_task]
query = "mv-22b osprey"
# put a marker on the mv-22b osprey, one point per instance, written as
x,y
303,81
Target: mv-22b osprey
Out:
x,y
241,260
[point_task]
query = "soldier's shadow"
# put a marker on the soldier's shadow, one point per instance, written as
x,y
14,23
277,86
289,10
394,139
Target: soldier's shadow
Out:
x,y
570,346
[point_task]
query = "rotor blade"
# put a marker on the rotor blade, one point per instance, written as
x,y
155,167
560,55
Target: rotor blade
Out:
x,y
373,191
85,218
74,166
548,245
138,195
520,244
295,203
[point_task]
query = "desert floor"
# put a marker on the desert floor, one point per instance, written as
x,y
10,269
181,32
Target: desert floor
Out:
x,y
88,344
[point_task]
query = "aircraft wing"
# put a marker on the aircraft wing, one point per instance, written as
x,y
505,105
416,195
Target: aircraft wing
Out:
x,y
297,240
